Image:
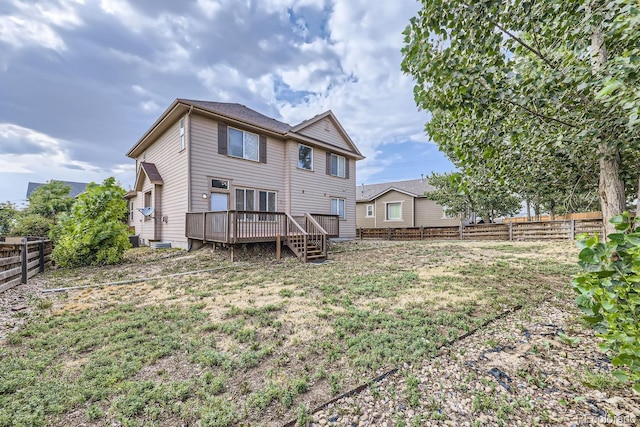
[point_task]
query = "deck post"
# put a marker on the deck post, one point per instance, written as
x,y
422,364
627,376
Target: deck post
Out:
x,y
204,227
278,246
41,249
232,253
25,259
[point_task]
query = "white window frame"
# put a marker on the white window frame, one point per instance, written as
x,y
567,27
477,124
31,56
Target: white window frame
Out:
x,y
245,217
373,211
339,173
182,140
268,207
386,211
300,166
336,211
245,135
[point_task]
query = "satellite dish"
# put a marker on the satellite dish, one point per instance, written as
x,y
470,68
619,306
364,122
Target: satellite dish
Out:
x,y
147,211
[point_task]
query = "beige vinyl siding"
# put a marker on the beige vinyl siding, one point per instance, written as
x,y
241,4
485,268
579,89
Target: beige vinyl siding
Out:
x,y
430,214
362,221
241,173
312,191
392,197
332,136
170,199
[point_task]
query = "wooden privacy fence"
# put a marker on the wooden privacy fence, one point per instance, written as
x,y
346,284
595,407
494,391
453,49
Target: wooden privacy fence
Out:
x,y
21,261
541,230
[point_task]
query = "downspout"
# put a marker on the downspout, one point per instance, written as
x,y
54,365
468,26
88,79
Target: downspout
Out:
x,y
189,159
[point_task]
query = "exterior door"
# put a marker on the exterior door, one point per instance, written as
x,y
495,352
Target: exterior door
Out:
x,y
219,202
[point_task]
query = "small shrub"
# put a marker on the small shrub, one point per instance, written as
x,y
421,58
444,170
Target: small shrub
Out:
x,y
94,233
609,294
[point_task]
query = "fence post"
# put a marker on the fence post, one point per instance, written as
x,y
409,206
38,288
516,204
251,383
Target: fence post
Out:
x,y
573,229
25,259
389,233
461,231
360,230
511,231
41,249
422,232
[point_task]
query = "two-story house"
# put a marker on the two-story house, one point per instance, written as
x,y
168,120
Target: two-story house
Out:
x,y
224,173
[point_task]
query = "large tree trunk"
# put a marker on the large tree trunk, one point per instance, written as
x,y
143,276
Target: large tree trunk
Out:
x,y
611,186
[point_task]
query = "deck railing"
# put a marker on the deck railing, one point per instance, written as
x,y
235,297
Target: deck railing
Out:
x,y
235,226
330,223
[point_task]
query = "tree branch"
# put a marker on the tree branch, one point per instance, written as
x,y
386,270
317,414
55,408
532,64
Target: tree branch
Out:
x,y
542,116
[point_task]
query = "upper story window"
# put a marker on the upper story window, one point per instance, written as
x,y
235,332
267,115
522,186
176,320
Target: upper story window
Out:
x,y
370,211
182,143
305,157
337,166
243,144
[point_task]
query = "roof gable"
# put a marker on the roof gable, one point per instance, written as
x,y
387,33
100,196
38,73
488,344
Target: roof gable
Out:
x,y
150,171
316,125
413,187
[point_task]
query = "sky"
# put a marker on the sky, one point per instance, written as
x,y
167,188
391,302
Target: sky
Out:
x,y
82,80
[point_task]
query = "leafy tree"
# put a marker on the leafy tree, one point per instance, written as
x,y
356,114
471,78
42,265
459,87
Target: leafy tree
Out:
x,y
94,232
518,87
609,296
50,199
31,225
478,195
8,214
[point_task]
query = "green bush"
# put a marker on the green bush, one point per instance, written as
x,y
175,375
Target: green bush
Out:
x,y
609,294
31,225
94,231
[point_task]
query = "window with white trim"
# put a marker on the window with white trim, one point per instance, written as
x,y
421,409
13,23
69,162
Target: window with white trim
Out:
x,y
182,143
337,165
305,157
243,144
393,211
370,211
338,207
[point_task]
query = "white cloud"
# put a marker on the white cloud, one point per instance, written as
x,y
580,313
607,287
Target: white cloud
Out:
x,y
38,23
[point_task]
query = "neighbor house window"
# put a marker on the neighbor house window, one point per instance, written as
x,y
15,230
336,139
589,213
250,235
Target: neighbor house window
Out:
x,y
130,211
369,211
181,134
394,211
243,144
337,165
305,157
338,208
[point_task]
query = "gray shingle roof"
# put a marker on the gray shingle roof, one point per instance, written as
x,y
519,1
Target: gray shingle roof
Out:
x,y
240,112
76,187
416,187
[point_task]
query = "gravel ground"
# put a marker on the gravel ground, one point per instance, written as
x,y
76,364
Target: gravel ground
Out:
x,y
529,368
15,304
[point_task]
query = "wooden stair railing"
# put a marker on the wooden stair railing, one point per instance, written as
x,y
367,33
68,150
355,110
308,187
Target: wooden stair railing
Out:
x,y
296,238
317,239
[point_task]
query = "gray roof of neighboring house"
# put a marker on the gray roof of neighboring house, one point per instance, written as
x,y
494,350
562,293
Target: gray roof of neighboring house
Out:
x,y
416,187
240,112
76,187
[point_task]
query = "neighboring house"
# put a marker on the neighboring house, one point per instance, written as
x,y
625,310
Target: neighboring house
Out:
x,y
76,187
237,164
399,204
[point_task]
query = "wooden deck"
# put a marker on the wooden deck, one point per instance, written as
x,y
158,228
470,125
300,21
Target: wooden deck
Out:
x,y
305,235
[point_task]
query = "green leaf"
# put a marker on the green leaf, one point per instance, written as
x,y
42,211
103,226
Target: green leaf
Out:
x,y
620,375
633,238
588,255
